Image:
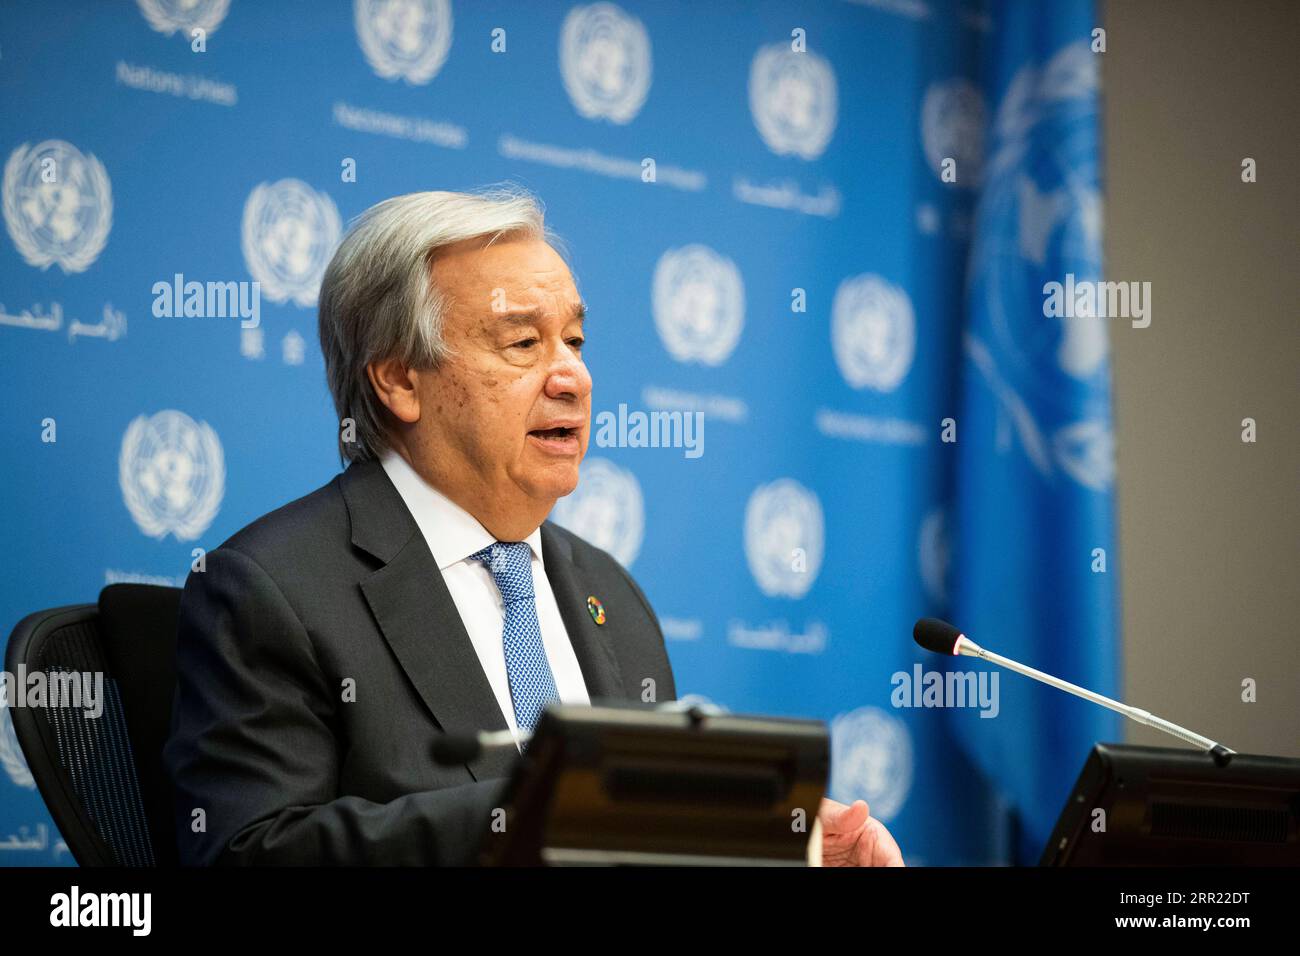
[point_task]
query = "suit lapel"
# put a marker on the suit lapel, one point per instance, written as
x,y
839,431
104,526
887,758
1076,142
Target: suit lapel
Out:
x,y
417,616
600,670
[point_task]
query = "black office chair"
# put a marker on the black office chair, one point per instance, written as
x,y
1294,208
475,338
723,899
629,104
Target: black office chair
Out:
x,y
102,777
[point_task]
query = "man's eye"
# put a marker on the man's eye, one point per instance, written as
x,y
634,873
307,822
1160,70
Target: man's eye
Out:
x,y
576,343
526,343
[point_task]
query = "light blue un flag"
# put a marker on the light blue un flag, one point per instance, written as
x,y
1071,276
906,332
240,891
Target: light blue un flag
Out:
x,y
1036,571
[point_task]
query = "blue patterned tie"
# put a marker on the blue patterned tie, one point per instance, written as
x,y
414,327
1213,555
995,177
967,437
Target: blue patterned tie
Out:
x,y
532,685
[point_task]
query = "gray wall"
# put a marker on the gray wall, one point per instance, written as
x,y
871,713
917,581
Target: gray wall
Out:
x,y
1209,533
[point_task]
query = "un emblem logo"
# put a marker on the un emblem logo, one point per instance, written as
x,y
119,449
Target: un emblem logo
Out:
x,y
699,304
952,127
1040,219
173,474
784,538
606,509
871,760
58,205
406,39
289,233
1086,452
171,16
605,62
873,332
793,99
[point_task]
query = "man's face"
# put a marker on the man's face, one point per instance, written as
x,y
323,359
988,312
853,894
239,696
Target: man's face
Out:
x,y
509,413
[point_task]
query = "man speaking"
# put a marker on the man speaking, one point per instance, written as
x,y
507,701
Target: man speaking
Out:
x,y
422,591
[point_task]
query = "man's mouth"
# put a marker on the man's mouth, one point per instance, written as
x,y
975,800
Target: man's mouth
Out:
x,y
557,432
558,440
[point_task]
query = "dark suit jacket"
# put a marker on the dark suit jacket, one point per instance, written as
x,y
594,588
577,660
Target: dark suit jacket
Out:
x,y
341,587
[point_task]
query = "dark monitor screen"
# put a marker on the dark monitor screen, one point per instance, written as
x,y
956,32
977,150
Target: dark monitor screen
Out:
x,y
641,786
1158,806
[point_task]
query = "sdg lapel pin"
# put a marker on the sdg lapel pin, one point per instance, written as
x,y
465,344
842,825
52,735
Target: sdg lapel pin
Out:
x,y
596,610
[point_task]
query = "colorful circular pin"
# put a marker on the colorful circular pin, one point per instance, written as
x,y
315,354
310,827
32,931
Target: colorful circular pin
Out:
x,y
596,610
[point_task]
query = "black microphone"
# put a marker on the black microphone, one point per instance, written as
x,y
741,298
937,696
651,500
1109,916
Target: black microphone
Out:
x,y
942,638
936,635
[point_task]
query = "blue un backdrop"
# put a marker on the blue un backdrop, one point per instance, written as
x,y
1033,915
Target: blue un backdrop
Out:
x,y
826,227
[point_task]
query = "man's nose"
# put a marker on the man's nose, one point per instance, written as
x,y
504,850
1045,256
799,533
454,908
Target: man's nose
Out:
x,y
568,377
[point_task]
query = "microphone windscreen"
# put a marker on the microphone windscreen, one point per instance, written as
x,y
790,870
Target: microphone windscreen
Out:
x,y
936,635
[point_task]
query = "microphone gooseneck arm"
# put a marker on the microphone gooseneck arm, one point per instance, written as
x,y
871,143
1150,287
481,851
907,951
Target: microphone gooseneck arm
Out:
x,y
967,648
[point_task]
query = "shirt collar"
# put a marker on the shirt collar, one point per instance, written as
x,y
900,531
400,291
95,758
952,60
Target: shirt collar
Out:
x,y
451,532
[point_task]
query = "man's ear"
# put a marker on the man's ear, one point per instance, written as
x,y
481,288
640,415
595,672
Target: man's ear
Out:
x,y
396,386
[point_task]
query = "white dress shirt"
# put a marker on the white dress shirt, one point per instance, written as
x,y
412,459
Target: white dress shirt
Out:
x,y
453,534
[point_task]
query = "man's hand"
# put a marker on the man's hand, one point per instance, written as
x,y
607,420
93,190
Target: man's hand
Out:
x,y
852,837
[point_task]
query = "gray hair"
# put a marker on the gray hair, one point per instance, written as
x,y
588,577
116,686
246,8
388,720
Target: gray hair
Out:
x,y
378,301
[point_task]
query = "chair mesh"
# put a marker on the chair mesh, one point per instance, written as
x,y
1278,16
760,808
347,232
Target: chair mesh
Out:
x,y
96,751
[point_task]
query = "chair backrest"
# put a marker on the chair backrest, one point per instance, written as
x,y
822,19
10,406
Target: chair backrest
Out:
x,y
102,776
